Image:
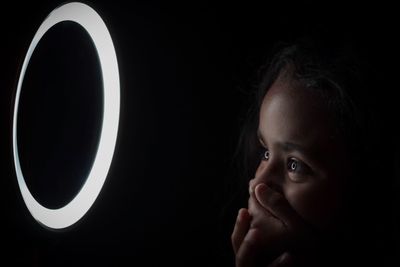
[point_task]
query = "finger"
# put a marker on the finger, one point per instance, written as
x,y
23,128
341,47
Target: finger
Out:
x,y
253,205
284,260
246,255
256,209
252,184
241,228
276,203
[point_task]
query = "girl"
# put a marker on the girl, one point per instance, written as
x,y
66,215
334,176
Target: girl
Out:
x,y
314,200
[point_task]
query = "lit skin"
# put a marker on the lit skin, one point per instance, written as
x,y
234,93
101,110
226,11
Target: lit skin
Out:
x,y
298,188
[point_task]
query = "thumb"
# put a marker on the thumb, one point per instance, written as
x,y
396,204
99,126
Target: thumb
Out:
x,y
275,203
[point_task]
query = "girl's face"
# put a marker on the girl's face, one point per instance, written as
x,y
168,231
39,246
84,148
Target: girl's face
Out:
x,y
303,157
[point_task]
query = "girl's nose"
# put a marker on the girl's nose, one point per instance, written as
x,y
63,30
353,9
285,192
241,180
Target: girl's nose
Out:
x,y
268,174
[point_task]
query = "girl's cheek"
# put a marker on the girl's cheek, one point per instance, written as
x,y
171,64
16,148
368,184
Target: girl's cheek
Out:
x,y
315,204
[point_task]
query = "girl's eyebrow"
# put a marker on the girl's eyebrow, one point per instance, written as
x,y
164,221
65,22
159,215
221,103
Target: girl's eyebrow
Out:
x,y
287,146
260,138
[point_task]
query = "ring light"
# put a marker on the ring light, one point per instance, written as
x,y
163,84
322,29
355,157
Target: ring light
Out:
x,y
65,216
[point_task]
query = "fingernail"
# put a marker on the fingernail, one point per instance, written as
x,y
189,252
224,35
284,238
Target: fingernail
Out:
x,y
261,188
250,186
261,192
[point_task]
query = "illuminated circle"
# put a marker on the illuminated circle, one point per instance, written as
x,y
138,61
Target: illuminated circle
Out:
x,y
81,203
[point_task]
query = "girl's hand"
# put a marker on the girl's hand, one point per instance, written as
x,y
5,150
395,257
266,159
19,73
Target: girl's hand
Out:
x,y
269,231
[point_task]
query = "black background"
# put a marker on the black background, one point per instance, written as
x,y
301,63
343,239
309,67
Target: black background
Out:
x,y
185,69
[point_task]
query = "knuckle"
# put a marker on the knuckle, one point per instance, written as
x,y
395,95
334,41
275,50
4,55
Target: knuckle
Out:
x,y
252,238
233,238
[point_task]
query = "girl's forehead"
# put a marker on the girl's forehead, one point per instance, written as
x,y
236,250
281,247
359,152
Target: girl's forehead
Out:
x,y
289,110
294,95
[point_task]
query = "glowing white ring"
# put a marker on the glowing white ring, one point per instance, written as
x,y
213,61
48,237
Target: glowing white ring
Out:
x,y
95,27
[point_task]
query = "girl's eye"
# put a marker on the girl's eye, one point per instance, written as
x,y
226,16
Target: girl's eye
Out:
x,y
297,170
293,165
265,155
